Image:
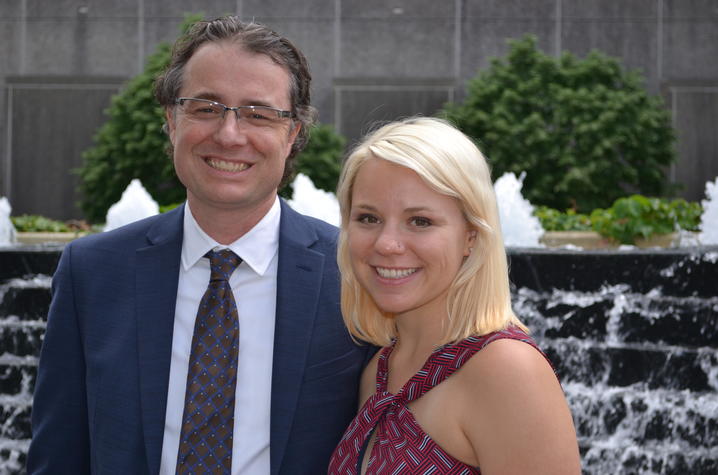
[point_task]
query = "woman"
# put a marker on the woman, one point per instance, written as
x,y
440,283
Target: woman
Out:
x,y
458,384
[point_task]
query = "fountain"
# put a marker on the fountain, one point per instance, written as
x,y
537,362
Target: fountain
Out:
x,y
519,226
709,218
7,230
633,335
135,204
634,338
309,200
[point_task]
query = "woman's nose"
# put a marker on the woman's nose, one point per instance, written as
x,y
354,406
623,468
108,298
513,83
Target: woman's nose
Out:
x,y
390,242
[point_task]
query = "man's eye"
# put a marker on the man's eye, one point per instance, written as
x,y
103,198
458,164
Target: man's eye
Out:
x,y
420,221
258,116
205,110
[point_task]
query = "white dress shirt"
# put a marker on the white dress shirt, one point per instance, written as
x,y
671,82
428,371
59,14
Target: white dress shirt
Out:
x,y
254,284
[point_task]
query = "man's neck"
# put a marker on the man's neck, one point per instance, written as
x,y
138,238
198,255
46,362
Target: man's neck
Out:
x,y
227,225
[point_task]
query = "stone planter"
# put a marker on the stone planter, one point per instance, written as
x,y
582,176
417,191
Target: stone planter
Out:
x,y
588,240
591,240
584,239
44,238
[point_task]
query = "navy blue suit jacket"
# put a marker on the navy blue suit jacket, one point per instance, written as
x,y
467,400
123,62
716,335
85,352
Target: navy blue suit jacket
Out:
x,y
101,389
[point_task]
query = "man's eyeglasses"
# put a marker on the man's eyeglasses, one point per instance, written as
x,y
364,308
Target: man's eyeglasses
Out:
x,y
204,110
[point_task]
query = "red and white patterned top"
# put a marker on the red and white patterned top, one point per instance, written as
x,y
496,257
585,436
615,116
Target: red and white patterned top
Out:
x,y
401,446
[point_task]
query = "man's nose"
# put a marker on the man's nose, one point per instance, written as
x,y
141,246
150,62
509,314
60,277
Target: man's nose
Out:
x,y
232,130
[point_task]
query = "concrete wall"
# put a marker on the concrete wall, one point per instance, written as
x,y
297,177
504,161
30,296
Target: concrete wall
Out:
x,y
371,61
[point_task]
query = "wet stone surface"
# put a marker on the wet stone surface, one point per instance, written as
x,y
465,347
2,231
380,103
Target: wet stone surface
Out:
x,y
633,337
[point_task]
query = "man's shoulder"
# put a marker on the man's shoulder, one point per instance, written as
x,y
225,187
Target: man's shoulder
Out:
x,y
131,235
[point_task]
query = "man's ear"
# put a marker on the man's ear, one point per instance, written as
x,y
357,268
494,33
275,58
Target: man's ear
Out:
x,y
170,124
293,132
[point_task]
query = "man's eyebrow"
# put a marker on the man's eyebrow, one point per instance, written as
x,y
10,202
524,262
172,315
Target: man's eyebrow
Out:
x,y
207,95
210,96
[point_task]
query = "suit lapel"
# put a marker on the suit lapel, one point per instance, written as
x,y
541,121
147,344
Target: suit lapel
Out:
x,y
300,272
157,277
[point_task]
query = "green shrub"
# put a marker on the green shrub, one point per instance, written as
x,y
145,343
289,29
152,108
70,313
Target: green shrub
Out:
x,y
321,159
585,131
131,144
554,220
637,216
169,207
38,224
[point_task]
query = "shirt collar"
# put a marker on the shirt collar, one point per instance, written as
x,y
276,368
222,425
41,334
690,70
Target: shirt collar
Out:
x,y
257,247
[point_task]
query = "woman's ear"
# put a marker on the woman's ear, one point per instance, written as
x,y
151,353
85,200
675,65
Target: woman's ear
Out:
x,y
470,242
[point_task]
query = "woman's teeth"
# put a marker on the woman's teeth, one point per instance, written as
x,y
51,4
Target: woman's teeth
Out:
x,y
394,273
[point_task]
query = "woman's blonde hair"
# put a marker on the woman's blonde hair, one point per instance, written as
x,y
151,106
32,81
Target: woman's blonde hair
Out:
x,y
479,299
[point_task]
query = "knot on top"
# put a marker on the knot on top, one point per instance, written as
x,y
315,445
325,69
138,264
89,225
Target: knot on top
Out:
x,y
222,264
378,404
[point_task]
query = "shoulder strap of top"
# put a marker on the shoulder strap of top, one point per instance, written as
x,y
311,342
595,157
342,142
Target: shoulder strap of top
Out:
x,y
382,368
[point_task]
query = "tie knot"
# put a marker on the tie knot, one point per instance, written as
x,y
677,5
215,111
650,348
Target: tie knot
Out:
x,y
222,264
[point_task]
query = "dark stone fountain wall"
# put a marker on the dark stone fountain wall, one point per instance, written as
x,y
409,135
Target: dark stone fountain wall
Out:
x,y
634,338
633,335
24,300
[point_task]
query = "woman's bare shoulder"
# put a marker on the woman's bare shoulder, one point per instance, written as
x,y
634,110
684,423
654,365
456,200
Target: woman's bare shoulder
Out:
x,y
513,399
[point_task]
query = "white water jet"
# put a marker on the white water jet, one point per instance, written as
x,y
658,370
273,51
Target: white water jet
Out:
x,y
7,230
709,218
518,224
309,200
135,204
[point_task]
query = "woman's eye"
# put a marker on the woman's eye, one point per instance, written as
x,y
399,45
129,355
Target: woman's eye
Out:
x,y
420,221
367,218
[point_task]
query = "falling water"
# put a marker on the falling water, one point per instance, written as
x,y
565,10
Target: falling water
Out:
x,y
135,204
519,226
7,230
309,200
634,338
709,218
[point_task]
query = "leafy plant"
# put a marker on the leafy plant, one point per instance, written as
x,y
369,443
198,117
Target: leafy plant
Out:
x,y
637,216
169,207
35,223
554,220
585,131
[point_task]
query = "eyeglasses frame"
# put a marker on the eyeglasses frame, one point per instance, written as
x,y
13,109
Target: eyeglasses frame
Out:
x,y
281,114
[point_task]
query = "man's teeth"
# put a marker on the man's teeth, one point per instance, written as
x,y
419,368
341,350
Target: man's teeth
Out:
x,y
227,166
394,273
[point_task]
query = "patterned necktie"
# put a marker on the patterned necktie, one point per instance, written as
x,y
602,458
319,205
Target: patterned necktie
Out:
x,y
208,419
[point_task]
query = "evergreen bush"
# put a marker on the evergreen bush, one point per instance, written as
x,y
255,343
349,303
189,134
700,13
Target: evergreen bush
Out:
x,y
585,131
131,144
321,159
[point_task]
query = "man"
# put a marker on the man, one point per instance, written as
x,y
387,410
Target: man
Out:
x,y
116,380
